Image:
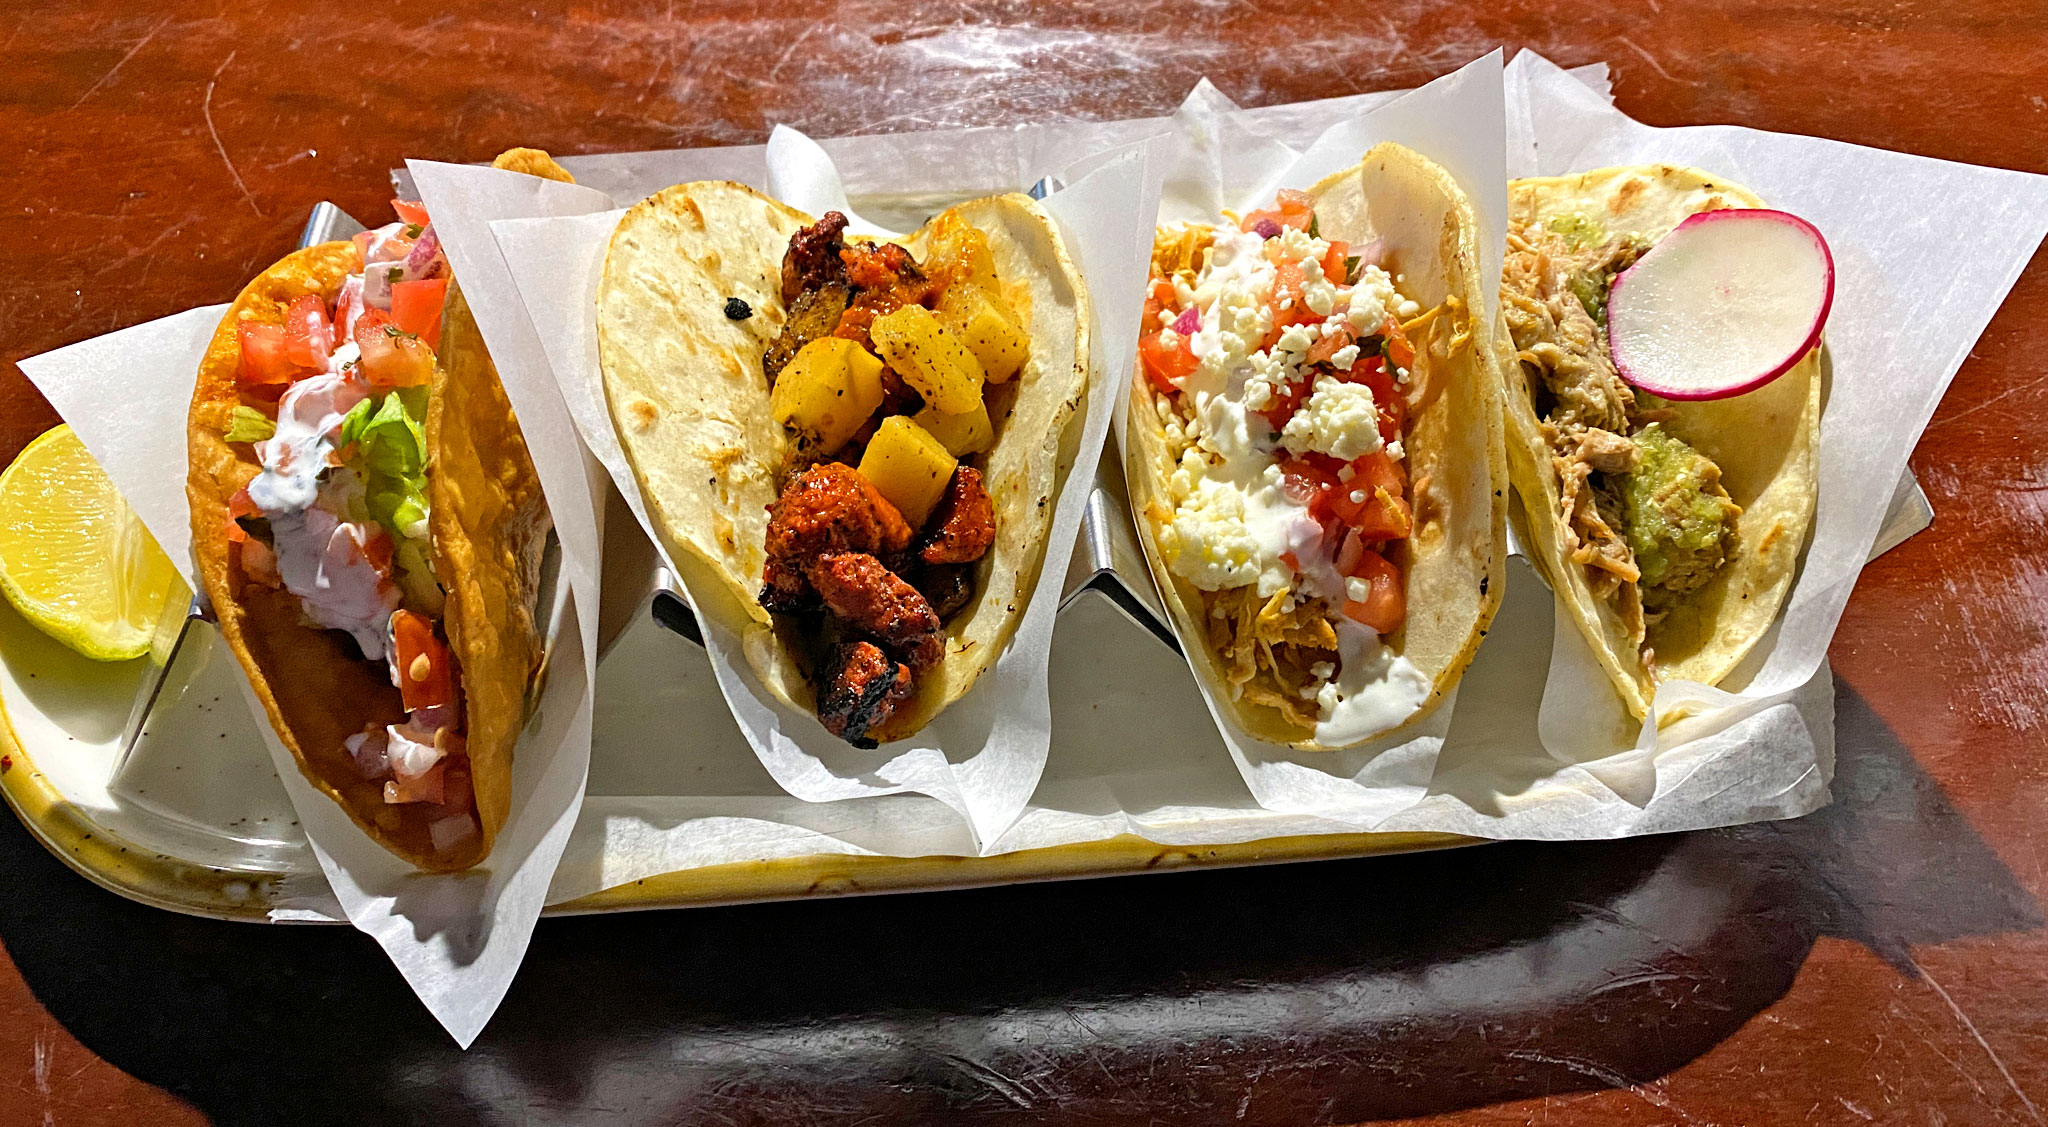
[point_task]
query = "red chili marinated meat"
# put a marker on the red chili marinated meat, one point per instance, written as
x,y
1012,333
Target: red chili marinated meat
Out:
x,y
812,259
828,507
876,601
863,687
964,524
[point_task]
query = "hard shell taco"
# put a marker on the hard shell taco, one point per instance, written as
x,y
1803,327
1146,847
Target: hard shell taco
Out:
x,y
1314,452
1670,530
851,447
369,528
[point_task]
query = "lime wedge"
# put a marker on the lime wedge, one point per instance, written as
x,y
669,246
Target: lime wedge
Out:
x,y
74,558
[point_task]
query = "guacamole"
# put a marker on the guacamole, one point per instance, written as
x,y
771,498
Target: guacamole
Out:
x,y
1681,523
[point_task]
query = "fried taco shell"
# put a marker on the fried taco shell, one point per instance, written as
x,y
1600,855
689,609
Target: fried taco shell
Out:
x,y
487,522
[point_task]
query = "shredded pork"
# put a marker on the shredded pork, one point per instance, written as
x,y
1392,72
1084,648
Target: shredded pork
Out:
x,y
1588,411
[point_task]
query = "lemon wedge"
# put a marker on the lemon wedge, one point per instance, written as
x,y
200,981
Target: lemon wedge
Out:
x,y
74,558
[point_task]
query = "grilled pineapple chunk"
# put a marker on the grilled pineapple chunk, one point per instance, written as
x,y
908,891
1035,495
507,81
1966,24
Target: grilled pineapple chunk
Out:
x,y
826,392
929,358
987,325
908,466
961,435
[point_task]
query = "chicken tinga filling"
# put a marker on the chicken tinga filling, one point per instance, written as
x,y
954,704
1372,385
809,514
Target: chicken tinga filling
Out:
x,y
334,403
1643,512
1285,378
893,378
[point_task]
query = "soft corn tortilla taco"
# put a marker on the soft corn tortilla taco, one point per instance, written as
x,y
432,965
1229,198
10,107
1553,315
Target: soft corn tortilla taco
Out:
x,y
425,511
1329,585
1671,530
693,298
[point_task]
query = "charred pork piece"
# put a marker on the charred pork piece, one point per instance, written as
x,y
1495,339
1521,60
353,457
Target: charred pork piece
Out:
x,y
862,687
947,587
875,601
812,259
828,507
964,524
813,316
784,590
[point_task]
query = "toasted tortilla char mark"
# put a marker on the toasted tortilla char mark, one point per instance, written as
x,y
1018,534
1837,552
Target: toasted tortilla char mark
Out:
x,y
1625,197
642,412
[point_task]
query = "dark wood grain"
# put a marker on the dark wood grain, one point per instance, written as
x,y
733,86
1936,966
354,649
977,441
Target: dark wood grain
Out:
x,y
1883,961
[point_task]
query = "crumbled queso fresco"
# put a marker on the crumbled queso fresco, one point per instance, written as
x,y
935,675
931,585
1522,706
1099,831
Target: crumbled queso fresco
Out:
x,y
1231,521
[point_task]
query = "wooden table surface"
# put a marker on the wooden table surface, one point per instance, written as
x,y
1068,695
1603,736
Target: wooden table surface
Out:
x,y
1882,961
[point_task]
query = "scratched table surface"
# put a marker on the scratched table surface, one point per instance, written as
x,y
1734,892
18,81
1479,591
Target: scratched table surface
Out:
x,y
1882,961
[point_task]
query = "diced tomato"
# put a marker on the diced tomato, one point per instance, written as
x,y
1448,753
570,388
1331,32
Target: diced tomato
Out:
x,y
1383,511
1399,350
425,676
1285,304
1349,551
1393,406
412,211
1333,262
1386,605
1159,296
259,563
1166,363
378,550
1291,209
308,334
1297,206
416,308
266,357
392,357
1329,344
1285,401
363,239
1311,485
346,304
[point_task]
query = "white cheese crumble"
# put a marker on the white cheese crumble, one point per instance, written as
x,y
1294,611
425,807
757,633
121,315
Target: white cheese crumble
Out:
x,y
1339,419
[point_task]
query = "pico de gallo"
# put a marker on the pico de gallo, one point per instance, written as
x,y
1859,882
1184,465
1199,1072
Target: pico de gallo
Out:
x,y
1283,376
333,405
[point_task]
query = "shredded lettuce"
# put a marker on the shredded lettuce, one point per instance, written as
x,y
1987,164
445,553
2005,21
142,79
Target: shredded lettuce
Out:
x,y
249,425
391,443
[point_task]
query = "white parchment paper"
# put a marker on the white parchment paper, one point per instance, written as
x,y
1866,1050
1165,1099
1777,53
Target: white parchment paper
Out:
x,y
1925,250
983,755
457,938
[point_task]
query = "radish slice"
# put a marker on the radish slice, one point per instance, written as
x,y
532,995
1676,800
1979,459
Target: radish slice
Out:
x,y
1727,302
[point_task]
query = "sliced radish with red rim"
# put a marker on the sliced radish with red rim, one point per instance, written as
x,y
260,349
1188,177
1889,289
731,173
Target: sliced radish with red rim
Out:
x,y
1727,302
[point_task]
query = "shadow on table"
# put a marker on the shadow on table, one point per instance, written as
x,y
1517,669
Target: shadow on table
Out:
x,y
1338,991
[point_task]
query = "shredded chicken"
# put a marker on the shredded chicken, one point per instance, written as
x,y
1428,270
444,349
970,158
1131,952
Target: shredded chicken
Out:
x,y
1269,645
1588,410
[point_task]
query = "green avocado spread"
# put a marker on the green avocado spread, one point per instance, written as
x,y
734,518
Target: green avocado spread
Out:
x,y
1578,229
1680,521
